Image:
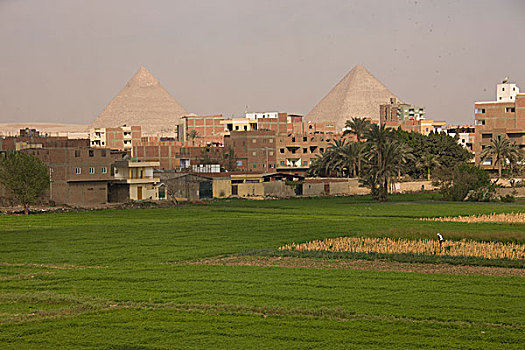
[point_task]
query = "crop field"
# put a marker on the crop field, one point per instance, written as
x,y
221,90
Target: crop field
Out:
x,y
510,218
464,248
211,275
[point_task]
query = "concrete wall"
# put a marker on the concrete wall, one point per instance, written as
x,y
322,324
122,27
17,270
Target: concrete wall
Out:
x,y
314,189
413,186
520,191
222,188
149,191
250,189
278,189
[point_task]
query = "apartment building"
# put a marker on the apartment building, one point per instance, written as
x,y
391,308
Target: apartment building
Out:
x,y
254,150
134,181
295,152
409,117
165,151
209,129
504,117
121,138
79,175
397,111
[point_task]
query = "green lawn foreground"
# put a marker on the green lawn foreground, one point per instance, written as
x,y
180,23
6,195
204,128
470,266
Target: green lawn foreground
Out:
x,y
117,280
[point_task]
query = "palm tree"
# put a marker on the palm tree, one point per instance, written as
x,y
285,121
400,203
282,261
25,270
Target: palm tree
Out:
x,y
500,150
385,158
376,137
428,162
357,126
193,134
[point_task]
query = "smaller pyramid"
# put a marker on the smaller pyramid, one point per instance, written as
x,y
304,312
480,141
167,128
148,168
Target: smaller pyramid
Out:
x,y
143,101
358,94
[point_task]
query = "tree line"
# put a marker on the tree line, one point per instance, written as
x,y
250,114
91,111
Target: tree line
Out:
x,y
381,156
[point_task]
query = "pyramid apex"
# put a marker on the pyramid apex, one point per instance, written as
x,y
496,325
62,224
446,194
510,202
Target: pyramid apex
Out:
x,y
359,93
143,78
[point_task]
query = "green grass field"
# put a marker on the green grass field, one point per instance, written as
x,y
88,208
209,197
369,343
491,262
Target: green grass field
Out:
x,y
121,280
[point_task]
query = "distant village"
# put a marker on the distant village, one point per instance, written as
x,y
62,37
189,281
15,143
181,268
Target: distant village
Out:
x,y
146,146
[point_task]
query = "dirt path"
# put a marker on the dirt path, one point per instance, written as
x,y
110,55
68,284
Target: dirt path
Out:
x,y
373,265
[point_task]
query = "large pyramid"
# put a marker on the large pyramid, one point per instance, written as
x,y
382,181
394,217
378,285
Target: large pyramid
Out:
x,y
358,94
144,102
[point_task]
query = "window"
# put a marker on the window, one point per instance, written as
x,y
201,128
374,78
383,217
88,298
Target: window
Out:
x,y
305,162
509,110
305,138
281,150
91,170
254,140
254,166
282,162
77,153
305,150
254,153
479,122
104,170
103,152
321,149
293,139
502,89
271,140
271,153
91,153
480,110
78,171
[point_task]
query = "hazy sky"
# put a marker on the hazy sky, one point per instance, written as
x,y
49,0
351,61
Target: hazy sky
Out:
x,y
63,61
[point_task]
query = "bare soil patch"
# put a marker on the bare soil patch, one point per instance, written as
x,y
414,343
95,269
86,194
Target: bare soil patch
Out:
x,y
370,265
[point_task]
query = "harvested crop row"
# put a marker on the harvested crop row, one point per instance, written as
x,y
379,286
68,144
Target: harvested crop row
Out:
x,y
511,218
487,250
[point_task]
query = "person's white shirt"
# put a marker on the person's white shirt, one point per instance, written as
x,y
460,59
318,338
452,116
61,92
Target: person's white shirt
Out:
x,y
441,239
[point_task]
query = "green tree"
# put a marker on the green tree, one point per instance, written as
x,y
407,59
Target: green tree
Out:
x,y
358,127
25,176
428,162
386,158
445,148
501,151
457,183
192,135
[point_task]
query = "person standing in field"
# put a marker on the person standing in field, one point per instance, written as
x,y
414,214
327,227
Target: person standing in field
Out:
x,y
441,239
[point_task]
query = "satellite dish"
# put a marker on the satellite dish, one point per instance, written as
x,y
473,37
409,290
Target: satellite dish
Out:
x,y
506,80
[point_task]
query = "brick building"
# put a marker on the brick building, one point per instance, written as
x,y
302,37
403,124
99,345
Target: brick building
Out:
x,y
504,117
79,175
298,150
121,138
254,150
209,128
166,151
